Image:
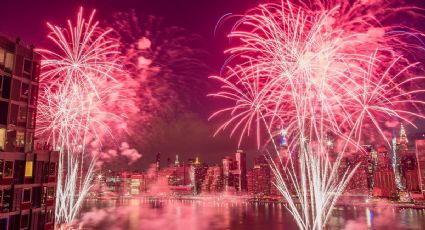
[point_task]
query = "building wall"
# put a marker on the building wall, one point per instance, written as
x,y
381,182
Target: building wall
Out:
x,y
27,169
420,157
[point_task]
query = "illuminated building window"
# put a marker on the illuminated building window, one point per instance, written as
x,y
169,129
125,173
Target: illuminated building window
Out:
x,y
50,193
2,138
2,56
9,61
20,138
1,168
52,169
28,169
29,142
26,195
49,218
8,169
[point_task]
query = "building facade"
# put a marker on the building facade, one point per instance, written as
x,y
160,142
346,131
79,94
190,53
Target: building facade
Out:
x,y
420,158
27,168
259,178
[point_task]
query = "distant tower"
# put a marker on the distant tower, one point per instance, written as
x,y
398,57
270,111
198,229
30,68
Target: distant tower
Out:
x,y
283,143
282,137
158,159
241,163
177,162
395,159
403,135
197,162
227,173
393,149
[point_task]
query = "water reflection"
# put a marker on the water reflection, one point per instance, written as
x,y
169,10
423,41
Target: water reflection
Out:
x,y
149,214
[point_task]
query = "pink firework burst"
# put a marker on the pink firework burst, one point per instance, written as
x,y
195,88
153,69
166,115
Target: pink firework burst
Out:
x,y
318,68
312,69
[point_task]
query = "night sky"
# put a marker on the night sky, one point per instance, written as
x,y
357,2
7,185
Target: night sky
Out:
x,y
189,135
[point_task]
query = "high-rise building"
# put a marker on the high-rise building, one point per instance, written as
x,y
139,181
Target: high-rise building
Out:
x,y
197,175
234,173
213,182
420,158
27,168
228,178
240,179
259,178
383,176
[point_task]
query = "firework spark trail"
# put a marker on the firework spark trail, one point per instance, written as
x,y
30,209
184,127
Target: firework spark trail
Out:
x,y
317,68
82,100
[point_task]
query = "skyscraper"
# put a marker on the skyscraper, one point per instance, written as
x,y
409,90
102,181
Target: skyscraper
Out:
x,y
259,178
420,157
241,169
228,179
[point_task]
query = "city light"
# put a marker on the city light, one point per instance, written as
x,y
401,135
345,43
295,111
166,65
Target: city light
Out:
x,y
274,114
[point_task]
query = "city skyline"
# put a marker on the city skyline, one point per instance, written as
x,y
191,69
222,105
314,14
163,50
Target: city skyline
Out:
x,y
193,119
276,114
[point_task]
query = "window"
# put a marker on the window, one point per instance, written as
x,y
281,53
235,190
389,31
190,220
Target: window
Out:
x,y
8,169
49,215
2,56
24,221
7,200
52,169
15,94
31,120
25,90
29,142
4,107
50,193
35,71
22,116
5,92
1,169
27,66
20,138
26,195
2,138
8,64
10,140
13,116
34,94
28,168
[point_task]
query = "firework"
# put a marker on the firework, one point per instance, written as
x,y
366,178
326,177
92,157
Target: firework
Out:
x,y
318,69
82,102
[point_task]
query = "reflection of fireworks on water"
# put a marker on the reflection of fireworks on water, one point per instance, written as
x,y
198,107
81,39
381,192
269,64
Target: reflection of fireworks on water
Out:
x,y
318,70
82,101
163,59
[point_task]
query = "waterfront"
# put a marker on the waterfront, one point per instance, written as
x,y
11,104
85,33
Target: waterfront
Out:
x,y
135,214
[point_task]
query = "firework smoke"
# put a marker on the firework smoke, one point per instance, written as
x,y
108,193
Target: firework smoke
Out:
x,y
165,63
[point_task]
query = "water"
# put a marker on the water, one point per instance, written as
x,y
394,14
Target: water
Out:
x,y
138,214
